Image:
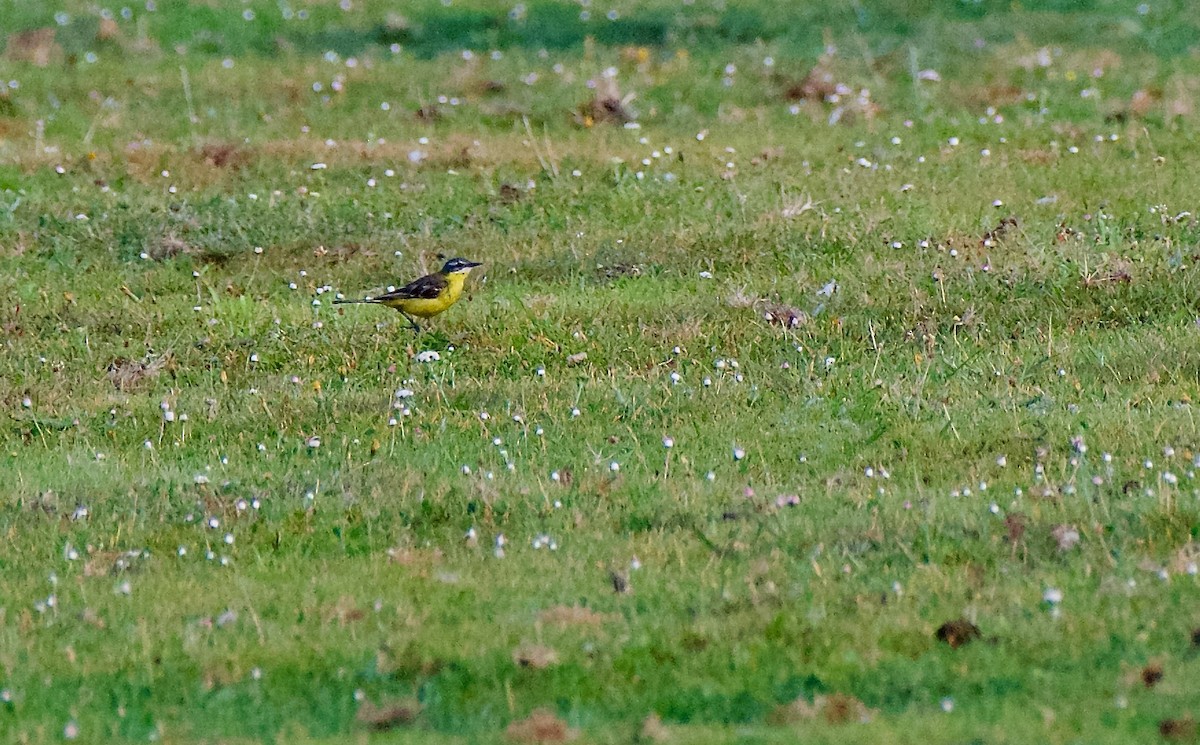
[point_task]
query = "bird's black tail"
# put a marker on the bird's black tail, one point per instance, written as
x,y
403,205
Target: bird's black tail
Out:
x,y
356,300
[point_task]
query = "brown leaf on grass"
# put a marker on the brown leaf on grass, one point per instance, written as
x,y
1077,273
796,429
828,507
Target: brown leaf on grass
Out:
x,y
576,359
536,656
224,155
1016,523
1178,730
958,632
36,46
1144,101
92,618
542,726
345,611
388,714
1152,674
127,375
510,193
108,30
572,615
653,730
836,708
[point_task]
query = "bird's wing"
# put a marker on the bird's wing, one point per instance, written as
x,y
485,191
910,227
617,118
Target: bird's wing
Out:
x,y
426,288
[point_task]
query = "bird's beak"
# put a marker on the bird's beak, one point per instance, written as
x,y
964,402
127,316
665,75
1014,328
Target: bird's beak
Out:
x,y
471,264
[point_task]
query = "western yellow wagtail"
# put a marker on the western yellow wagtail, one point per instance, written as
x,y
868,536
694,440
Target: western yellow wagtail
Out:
x,y
427,296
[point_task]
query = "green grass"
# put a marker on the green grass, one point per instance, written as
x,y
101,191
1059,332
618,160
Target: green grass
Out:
x,y
959,394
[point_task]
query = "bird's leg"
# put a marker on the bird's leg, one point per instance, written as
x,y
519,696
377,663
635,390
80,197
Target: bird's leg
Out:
x,y
411,322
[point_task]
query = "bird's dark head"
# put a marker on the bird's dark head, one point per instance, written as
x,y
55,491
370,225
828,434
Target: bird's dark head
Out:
x,y
459,266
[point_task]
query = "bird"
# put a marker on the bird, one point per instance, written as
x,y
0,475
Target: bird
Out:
x,y
428,296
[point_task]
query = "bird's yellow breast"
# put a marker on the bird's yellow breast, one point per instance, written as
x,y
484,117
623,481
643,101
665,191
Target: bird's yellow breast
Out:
x,y
427,307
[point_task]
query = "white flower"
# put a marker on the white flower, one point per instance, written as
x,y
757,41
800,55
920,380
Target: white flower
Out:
x,y
404,393
668,442
313,442
428,356
1052,595
200,479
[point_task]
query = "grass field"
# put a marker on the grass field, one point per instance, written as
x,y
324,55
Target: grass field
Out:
x,y
830,377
